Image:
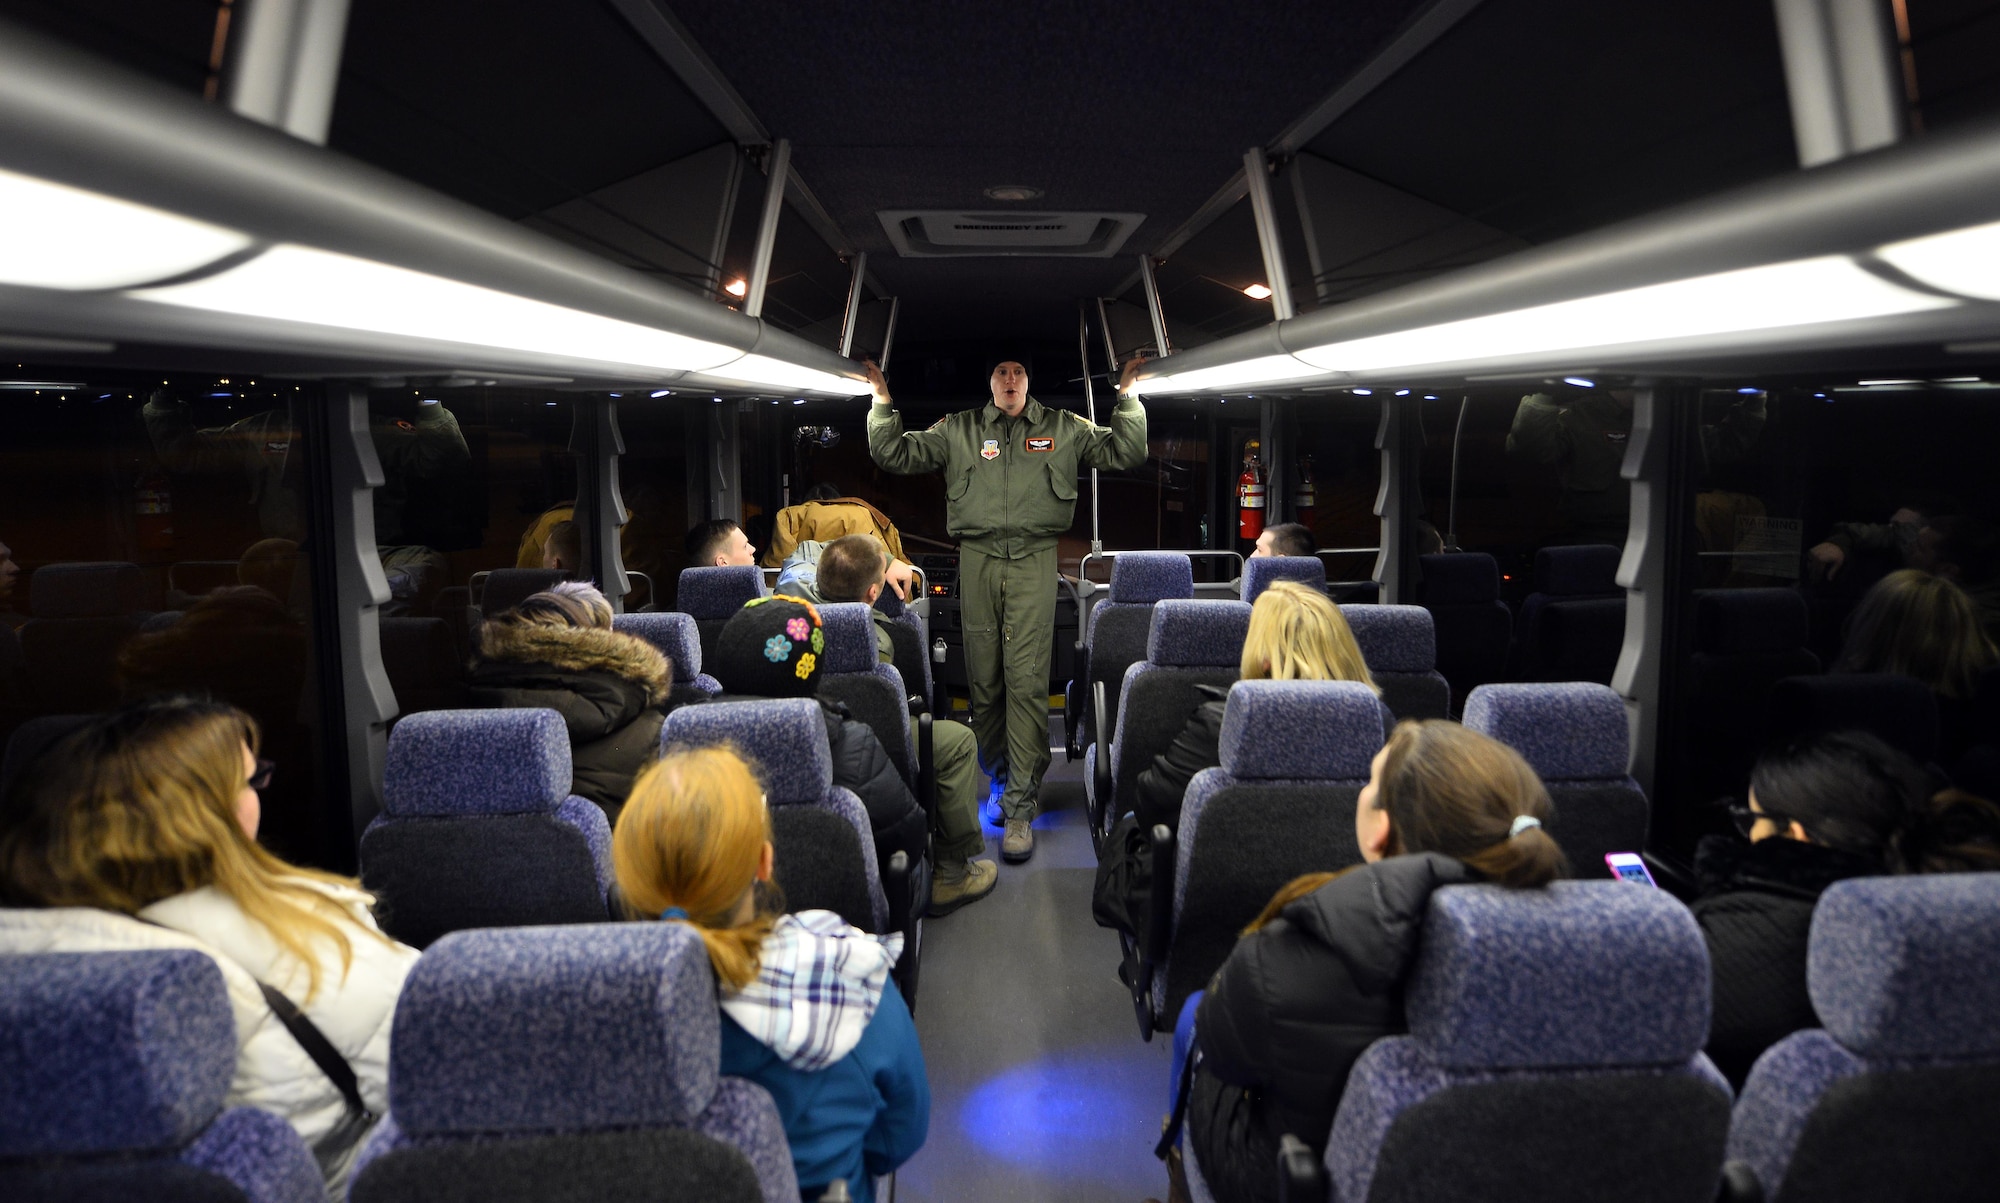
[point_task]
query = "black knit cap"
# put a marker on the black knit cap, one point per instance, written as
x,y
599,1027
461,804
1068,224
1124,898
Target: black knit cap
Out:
x,y
771,648
997,360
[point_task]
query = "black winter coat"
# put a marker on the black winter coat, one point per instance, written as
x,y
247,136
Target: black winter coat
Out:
x,y
862,765
611,690
1755,910
1288,1014
1199,746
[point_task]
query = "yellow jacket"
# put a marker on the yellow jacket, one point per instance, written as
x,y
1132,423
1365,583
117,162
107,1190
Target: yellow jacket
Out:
x,y
827,521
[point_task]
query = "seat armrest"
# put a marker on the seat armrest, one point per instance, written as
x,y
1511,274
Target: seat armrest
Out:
x,y
927,782
1101,798
1301,1178
1739,1184
896,883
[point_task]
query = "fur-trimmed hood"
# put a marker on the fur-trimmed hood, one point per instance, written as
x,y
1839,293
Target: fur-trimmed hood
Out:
x,y
580,650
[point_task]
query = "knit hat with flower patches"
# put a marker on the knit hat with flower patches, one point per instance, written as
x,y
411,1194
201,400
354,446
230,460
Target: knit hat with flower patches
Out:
x,y
771,648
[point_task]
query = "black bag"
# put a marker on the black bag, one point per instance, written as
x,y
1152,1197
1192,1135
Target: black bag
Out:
x,y
1124,890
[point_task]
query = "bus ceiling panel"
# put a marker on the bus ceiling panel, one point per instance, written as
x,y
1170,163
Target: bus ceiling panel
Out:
x,y
356,245
1783,264
1544,118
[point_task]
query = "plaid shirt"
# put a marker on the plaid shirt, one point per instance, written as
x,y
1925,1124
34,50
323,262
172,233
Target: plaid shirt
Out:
x,y
817,985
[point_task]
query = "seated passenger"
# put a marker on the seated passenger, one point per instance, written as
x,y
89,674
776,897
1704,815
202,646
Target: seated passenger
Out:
x,y
557,650
138,832
1319,976
851,569
1922,626
719,543
771,649
563,549
808,1010
1820,810
1286,539
1296,634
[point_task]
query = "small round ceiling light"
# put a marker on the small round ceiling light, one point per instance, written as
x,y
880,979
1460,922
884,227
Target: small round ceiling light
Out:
x,y
1258,292
737,288
1013,192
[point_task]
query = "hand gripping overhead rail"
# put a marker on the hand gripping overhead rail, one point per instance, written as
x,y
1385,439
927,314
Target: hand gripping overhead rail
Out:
x,y
137,214
1894,250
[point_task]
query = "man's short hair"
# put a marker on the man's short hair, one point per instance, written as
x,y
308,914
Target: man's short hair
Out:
x,y
565,541
849,565
1292,539
708,539
825,490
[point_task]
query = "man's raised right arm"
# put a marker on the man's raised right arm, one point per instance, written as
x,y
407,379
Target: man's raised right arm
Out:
x,y
905,453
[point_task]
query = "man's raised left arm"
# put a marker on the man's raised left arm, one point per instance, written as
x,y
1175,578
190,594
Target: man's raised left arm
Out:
x,y
1121,442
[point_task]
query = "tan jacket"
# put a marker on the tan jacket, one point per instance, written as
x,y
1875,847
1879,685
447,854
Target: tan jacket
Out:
x,y
825,521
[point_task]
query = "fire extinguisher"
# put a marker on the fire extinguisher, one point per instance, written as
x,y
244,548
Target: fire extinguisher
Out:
x,y
153,510
1250,494
1305,495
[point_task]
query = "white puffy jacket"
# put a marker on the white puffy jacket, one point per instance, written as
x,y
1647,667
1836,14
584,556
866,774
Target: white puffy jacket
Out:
x,y
273,1073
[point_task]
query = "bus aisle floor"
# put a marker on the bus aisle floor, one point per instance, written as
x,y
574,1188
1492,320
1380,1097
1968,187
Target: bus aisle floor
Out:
x,y
1041,1090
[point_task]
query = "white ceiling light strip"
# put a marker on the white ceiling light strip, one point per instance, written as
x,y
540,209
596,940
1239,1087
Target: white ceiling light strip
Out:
x,y
1965,261
71,239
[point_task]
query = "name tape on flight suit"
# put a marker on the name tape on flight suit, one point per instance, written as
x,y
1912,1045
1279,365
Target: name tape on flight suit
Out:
x,y
1034,444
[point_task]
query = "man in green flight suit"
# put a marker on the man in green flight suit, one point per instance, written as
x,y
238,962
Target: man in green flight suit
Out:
x,y
1010,471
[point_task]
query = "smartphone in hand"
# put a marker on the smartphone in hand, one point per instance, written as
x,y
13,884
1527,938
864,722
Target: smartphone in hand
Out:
x,y
1629,866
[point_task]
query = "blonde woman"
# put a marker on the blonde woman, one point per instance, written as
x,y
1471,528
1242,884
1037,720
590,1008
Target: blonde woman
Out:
x,y
1296,634
808,1010
139,831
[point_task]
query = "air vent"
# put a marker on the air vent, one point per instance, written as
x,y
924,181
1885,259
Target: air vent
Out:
x,y
928,233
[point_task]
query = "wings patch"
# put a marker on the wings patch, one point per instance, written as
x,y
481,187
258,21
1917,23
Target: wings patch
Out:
x,y
1040,444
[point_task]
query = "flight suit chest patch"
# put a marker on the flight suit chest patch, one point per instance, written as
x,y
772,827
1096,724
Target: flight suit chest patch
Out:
x,y
1617,437
1039,444
991,450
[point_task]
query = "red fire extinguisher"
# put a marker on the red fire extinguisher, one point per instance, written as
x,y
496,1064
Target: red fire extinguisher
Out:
x,y
1305,495
1250,494
153,510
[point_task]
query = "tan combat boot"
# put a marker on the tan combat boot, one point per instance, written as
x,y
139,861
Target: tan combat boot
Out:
x,y
1019,842
955,883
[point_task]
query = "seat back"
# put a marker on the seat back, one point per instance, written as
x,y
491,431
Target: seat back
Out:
x,y
1554,1053
1745,642
479,829
1399,645
679,640
1295,756
1573,624
82,614
32,738
1898,1095
506,588
575,1060
1475,630
712,596
1577,738
1899,710
423,664
906,638
852,673
1260,571
117,1065
820,832
1121,624
1190,643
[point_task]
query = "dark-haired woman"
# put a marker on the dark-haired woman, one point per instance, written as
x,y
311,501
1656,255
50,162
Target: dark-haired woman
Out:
x,y
557,650
1821,810
1927,628
1319,976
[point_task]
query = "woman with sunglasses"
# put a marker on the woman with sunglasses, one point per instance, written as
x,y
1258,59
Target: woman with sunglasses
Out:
x,y
138,831
1820,810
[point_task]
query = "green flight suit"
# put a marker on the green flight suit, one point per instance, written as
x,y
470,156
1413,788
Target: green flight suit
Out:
x,y
1010,490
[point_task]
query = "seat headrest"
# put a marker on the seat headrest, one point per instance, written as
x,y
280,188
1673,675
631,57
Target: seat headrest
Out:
x,y
1591,568
1575,731
506,588
1732,622
718,592
1577,974
1260,571
1459,578
1293,730
1198,634
111,1051
1151,576
1909,967
1393,639
476,762
784,738
1896,709
676,635
566,1029
98,589
850,638
887,602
